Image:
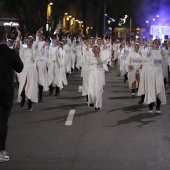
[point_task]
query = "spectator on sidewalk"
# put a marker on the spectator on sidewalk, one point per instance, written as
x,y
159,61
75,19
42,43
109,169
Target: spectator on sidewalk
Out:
x,y
9,63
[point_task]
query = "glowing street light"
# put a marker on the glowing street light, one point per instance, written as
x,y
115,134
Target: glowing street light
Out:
x,y
108,21
147,22
157,16
153,19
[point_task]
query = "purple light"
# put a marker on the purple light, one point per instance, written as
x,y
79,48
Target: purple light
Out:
x,y
157,16
153,19
147,22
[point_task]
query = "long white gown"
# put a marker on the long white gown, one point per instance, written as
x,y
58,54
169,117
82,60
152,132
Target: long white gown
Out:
x,y
78,56
62,68
96,79
154,79
86,71
135,60
29,73
41,64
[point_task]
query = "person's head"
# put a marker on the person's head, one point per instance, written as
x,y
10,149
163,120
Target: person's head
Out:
x,y
64,41
41,37
60,45
29,41
156,43
136,48
55,42
25,40
96,50
99,41
2,35
47,41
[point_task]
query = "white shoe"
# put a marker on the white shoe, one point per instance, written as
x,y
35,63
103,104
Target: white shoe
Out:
x,y
158,111
30,109
150,111
133,94
4,157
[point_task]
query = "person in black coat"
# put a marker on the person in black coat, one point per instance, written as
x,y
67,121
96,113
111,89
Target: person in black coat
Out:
x,y
10,63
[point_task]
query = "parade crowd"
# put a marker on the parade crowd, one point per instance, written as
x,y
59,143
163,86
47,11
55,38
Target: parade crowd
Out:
x,y
49,61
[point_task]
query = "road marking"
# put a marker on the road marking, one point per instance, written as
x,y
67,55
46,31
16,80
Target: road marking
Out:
x,y
80,89
69,120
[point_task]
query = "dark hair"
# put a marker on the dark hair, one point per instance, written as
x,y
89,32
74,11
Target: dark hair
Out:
x,y
96,47
156,40
2,33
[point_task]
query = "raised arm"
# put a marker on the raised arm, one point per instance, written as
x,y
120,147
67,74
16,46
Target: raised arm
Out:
x,y
19,43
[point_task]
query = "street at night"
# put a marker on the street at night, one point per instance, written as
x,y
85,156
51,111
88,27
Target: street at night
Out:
x,y
84,85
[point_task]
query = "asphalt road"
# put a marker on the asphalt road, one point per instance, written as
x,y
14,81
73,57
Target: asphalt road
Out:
x,y
121,136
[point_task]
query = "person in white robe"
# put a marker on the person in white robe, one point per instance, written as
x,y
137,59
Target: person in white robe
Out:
x,y
28,78
67,60
62,61
54,72
96,77
85,72
133,64
79,56
41,64
143,51
72,55
115,47
121,60
128,49
154,79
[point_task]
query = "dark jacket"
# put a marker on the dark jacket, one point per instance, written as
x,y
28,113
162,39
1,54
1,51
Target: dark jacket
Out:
x,y
9,62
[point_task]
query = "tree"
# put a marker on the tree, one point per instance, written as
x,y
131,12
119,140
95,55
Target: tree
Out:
x,y
28,13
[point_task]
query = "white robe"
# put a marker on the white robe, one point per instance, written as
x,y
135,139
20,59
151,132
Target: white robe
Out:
x,y
96,79
145,64
41,64
134,59
67,60
62,68
72,54
29,73
78,56
86,71
154,79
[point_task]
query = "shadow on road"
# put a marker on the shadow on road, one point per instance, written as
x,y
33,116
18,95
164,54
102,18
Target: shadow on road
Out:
x,y
129,109
72,98
138,119
65,107
117,91
122,97
63,118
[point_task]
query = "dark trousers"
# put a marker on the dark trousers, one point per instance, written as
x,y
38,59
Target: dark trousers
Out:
x,y
5,108
158,104
40,91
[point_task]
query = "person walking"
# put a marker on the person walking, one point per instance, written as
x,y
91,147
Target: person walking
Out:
x,y
28,78
9,63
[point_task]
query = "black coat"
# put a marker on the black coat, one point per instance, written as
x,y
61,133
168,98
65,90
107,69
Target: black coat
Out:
x,y
9,62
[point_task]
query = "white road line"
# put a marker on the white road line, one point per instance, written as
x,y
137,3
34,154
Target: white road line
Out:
x,y
69,120
80,89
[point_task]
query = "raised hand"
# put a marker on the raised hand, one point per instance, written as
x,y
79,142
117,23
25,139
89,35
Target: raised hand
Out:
x,y
19,33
